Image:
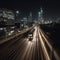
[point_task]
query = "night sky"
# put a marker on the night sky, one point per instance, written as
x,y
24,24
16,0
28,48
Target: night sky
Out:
x,y
50,7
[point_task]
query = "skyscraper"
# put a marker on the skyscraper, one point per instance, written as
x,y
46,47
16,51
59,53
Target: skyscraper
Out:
x,y
30,17
40,15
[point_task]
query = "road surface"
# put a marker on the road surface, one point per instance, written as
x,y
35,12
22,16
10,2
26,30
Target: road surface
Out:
x,y
20,48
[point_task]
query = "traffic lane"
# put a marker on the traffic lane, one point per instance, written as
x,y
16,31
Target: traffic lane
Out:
x,y
56,55
53,34
10,46
26,54
49,45
6,38
43,46
22,49
31,51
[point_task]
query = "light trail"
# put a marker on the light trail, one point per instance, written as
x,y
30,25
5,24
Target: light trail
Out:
x,y
50,46
29,49
34,44
43,47
26,50
28,54
34,35
43,35
23,49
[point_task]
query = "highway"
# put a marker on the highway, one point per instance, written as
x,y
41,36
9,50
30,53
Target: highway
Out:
x,y
21,48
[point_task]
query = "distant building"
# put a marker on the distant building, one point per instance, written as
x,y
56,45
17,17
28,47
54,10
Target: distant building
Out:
x,y
40,15
7,16
30,17
25,20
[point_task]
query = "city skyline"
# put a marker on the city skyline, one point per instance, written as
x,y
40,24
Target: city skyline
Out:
x,y
51,7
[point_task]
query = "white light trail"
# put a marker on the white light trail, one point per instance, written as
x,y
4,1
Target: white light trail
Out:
x,y
29,48
44,48
50,46
34,35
